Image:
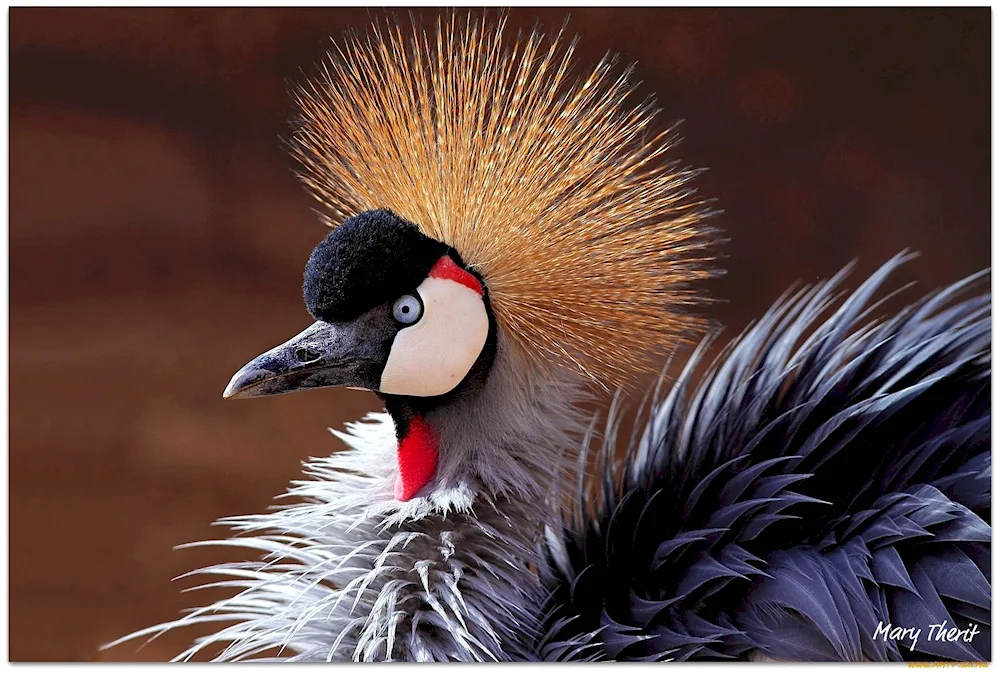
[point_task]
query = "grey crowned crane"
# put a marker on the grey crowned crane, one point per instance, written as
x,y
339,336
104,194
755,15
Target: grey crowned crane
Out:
x,y
505,238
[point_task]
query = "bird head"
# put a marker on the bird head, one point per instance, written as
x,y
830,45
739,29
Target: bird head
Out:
x,y
396,312
504,234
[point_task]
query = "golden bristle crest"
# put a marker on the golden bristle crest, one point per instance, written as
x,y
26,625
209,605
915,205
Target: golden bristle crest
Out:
x,y
555,188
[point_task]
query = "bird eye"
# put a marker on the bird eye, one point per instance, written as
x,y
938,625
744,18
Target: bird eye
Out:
x,y
407,309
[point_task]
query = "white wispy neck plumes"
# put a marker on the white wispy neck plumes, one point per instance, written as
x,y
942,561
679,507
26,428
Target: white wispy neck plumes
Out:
x,y
349,572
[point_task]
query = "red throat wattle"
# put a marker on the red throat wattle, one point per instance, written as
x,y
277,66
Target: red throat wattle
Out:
x,y
416,456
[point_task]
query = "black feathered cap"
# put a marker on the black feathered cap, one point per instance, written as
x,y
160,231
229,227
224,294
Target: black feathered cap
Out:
x,y
371,258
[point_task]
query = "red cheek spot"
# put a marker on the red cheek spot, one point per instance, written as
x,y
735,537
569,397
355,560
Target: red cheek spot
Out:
x,y
417,456
447,269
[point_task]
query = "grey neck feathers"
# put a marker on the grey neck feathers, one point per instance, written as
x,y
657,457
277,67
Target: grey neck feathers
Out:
x,y
351,573
517,439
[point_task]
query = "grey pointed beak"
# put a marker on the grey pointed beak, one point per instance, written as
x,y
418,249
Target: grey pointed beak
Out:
x,y
321,356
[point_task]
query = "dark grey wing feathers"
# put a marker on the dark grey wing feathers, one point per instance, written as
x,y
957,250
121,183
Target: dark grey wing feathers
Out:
x,y
827,474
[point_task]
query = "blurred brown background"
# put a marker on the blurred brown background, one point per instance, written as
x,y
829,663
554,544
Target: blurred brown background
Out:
x,y
157,238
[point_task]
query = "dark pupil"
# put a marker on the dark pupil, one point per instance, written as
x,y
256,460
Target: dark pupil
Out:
x,y
406,309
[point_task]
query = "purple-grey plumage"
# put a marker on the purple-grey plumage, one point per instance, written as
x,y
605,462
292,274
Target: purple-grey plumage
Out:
x,y
822,484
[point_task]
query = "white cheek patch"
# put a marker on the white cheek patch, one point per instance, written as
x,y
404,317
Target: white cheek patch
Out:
x,y
433,355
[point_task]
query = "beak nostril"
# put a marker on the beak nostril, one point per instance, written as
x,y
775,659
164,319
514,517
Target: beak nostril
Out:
x,y
305,355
